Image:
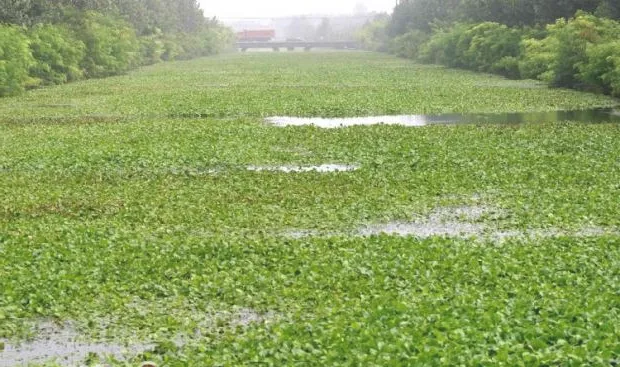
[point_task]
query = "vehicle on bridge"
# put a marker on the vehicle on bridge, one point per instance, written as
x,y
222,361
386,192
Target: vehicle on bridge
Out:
x,y
256,35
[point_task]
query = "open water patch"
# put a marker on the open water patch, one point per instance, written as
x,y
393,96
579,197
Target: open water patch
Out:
x,y
478,223
63,345
461,221
593,116
324,168
473,222
424,229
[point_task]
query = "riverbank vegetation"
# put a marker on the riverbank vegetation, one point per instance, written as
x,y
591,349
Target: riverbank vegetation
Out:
x,y
573,44
43,42
225,87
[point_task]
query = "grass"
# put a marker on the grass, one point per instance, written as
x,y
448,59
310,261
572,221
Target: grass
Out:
x,y
111,219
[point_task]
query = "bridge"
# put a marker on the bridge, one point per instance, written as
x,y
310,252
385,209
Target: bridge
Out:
x,y
292,45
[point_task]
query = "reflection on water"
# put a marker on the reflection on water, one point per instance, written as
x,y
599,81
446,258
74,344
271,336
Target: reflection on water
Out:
x,y
584,116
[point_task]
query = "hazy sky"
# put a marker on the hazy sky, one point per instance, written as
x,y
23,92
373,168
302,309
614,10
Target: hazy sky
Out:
x,y
271,8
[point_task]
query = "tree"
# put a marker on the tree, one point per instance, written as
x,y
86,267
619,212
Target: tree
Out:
x,y
508,12
609,9
423,14
420,15
15,60
20,11
373,35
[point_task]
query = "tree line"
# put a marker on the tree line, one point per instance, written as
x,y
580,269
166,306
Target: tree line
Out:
x,y
565,43
425,14
56,41
144,15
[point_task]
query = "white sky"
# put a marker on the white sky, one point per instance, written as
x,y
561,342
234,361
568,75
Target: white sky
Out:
x,y
273,8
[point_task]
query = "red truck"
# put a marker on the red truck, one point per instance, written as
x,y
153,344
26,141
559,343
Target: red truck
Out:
x,y
262,35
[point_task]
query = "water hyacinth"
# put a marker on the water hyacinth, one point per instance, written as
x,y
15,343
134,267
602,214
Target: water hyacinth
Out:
x,y
128,212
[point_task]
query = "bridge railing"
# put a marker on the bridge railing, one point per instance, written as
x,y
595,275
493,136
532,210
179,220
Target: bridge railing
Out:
x,y
275,45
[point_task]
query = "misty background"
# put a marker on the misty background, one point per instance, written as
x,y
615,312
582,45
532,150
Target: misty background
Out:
x,y
321,20
279,8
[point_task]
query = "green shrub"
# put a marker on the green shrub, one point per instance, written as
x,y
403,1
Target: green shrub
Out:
x,y
570,49
373,36
80,43
172,50
482,47
187,46
152,48
582,52
602,69
491,46
15,60
613,78
445,47
408,45
537,58
508,66
112,47
208,41
567,51
58,54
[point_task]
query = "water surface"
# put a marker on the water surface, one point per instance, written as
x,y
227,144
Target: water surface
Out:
x,y
594,116
62,343
324,168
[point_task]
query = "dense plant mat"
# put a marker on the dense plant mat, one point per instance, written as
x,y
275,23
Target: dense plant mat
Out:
x,y
149,231
316,84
